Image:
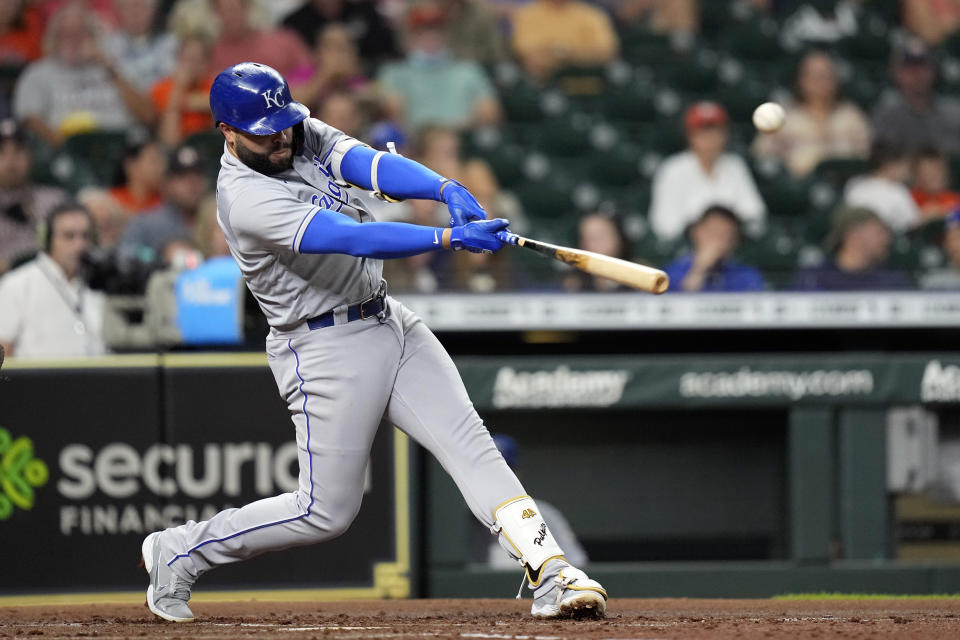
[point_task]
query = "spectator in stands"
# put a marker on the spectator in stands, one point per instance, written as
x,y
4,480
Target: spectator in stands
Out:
x,y
245,36
933,21
337,68
341,111
549,34
207,234
915,116
23,205
859,244
183,191
710,265
484,272
473,32
74,87
429,86
604,234
884,189
21,32
48,309
139,177
818,125
426,272
182,99
931,185
104,10
109,218
947,277
140,53
688,182
367,26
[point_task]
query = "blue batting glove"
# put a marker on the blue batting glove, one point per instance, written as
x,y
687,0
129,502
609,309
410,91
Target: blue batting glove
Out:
x,y
479,236
463,206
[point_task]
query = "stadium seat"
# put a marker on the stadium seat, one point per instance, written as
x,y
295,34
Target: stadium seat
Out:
x,y
522,103
567,136
632,103
754,40
664,138
550,197
617,167
836,171
506,161
100,152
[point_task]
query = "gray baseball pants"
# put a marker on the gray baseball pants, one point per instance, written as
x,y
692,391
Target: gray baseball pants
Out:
x,y
339,382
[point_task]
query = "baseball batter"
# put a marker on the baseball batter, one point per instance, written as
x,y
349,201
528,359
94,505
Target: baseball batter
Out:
x,y
293,200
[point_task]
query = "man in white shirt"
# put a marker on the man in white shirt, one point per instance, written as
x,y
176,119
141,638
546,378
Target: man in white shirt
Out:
x,y
688,182
46,308
884,189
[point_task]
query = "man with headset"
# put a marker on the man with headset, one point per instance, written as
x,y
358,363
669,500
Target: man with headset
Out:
x,y
47,310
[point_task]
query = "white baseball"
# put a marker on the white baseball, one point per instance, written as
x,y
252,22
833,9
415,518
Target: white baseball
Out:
x,y
768,117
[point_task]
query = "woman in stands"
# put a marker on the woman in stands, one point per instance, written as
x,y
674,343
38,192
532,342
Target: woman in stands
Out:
x,y
819,125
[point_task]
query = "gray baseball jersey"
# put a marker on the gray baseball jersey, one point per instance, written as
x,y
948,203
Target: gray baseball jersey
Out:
x,y
264,217
340,381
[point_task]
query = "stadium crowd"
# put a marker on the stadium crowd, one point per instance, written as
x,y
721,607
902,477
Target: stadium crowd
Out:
x,y
619,125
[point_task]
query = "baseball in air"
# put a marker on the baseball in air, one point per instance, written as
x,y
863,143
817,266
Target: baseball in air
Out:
x,y
768,117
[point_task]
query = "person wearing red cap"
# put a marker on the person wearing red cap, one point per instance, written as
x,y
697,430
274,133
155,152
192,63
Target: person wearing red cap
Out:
x,y
688,182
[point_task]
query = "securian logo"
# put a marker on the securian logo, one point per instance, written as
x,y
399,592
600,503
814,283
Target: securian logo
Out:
x,y
543,534
528,513
20,474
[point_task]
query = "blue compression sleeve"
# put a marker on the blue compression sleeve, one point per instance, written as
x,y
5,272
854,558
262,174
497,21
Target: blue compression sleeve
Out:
x,y
397,176
332,232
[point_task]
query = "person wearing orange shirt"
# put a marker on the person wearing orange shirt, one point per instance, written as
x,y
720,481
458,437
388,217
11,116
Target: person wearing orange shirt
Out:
x,y
21,32
931,185
140,177
182,99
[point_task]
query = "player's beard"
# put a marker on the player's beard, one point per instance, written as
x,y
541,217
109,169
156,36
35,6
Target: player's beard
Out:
x,y
261,162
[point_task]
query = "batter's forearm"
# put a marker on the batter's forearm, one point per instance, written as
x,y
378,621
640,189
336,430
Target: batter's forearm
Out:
x,y
331,232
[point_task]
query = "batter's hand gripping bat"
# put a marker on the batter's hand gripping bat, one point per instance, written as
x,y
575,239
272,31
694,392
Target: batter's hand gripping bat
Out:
x,y
630,274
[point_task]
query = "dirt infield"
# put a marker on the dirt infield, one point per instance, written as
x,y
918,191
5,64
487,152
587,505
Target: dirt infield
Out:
x,y
502,619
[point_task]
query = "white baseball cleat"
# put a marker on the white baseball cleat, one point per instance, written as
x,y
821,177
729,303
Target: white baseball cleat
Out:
x,y
571,594
167,593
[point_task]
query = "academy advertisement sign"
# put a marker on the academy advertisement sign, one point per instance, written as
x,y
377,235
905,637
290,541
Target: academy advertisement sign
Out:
x,y
124,452
709,381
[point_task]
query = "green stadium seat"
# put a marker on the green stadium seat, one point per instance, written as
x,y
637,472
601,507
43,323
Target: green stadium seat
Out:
x,y
548,198
754,40
616,167
836,171
580,80
522,103
633,103
640,45
100,152
664,138
567,136
506,161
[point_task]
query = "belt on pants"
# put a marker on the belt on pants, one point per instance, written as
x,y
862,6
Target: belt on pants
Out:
x,y
369,308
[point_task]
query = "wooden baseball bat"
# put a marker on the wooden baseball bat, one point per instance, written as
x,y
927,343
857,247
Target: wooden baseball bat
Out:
x,y
630,274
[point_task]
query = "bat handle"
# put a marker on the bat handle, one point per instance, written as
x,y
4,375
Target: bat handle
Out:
x,y
507,237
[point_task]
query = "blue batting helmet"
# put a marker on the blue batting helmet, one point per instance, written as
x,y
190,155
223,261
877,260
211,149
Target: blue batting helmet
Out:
x,y
254,98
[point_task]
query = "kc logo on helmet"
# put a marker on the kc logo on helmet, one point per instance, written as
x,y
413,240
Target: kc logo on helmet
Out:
x,y
276,99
